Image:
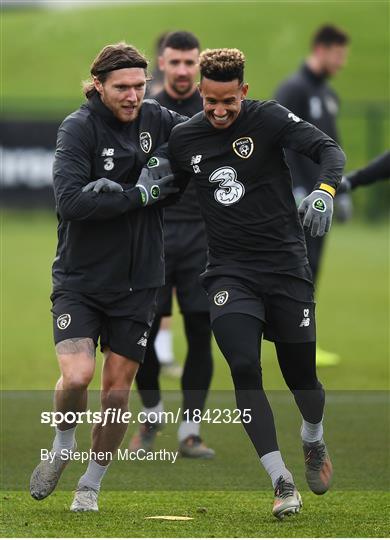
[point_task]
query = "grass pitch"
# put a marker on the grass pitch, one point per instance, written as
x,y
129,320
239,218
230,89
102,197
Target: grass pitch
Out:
x,y
55,50
229,496
352,309
216,514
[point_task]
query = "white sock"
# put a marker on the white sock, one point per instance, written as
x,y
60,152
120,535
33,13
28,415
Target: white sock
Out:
x,y
188,428
311,432
93,476
163,346
275,467
153,414
64,440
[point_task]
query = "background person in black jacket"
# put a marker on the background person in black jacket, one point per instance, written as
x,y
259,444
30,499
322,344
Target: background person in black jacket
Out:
x,y
185,260
376,170
109,262
307,94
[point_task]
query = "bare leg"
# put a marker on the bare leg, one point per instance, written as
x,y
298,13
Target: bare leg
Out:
x,y
76,358
117,378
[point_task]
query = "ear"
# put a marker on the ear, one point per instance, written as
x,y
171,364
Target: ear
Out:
x,y
199,86
244,90
161,63
98,85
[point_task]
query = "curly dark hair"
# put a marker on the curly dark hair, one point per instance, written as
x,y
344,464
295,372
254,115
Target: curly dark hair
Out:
x,y
222,64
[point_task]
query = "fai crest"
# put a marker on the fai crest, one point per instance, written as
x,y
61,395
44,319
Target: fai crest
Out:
x,y
221,298
145,141
63,321
243,147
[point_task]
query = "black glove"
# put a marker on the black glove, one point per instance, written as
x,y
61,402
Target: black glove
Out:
x,y
103,184
155,181
345,185
316,212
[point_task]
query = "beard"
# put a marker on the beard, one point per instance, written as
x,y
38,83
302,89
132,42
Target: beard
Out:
x,y
182,89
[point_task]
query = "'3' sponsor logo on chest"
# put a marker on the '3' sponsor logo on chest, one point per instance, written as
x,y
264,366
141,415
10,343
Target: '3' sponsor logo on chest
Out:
x,y
229,190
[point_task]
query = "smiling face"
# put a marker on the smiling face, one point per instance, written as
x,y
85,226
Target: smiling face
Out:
x,y
222,101
180,69
123,92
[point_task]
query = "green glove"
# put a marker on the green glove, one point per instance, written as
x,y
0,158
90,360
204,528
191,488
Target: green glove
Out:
x,y
103,184
316,212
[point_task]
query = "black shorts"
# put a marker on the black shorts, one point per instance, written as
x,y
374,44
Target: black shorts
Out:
x,y
284,302
185,259
122,321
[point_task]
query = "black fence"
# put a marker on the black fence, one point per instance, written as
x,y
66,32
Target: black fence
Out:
x,y
27,160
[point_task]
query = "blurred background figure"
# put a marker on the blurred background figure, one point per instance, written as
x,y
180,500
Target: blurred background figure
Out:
x,y
164,340
307,94
377,169
185,259
155,85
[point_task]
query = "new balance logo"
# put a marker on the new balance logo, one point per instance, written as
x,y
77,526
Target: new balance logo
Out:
x,y
306,319
196,159
107,152
194,162
143,341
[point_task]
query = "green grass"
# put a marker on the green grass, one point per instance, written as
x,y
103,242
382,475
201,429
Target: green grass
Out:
x,y
45,55
24,436
352,317
352,309
57,47
217,514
